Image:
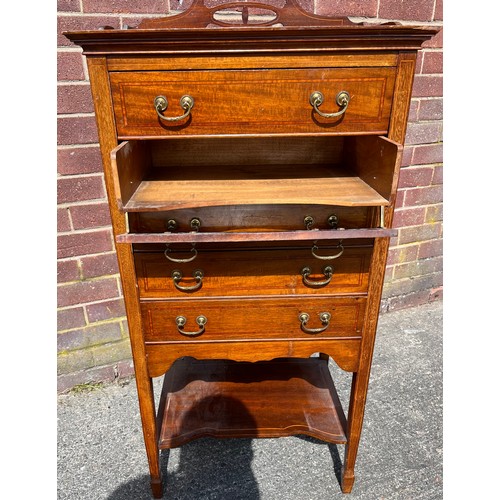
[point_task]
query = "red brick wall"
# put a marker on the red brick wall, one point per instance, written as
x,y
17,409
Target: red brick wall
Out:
x,y
92,328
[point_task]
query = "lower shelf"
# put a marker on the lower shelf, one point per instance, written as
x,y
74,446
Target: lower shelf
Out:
x,y
223,399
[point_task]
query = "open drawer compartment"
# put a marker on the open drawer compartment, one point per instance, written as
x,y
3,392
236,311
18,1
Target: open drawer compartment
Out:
x,y
159,175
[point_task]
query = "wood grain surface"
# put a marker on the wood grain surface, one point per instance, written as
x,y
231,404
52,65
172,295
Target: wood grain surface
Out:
x,y
221,398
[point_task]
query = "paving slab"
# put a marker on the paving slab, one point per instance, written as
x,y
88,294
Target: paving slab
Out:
x,y
101,452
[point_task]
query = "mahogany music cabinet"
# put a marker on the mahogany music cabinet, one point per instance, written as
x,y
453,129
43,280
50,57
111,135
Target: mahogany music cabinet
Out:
x,y
251,156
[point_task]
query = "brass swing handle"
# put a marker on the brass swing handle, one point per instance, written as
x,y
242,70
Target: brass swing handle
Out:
x,y
181,261
325,318
180,321
316,100
197,275
161,105
306,272
327,257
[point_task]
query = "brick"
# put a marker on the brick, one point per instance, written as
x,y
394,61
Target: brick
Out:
x,y
438,11
125,329
90,336
111,353
79,23
400,198
90,216
68,5
430,249
437,178
415,176
419,61
418,268
411,10
423,196
63,222
436,294
388,273
432,62
75,244
419,233
108,373
106,310
99,265
67,270
74,361
407,301
424,133
431,109
307,5
402,254
70,66
398,288
124,7
366,8
74,161
132,21
429,153
70,318
86,291
427,86
409,217
434,214
76,130
71,189
74,99
407,156
413,113
435,42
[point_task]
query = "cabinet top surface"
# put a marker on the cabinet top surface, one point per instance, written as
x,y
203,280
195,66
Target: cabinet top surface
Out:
x,y
250,25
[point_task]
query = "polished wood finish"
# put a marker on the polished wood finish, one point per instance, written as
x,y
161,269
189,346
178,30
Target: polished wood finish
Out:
x,y
276,271
356,172
161,355
252,102
305,401
254,218
253,161
255,236
101,94
252,319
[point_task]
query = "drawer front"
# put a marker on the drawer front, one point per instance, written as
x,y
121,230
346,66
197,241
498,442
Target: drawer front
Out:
x,y
252,101
257,272
254,218
233,319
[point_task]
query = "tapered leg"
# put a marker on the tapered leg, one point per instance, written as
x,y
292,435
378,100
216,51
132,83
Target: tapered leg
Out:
x,y
148,416
359,388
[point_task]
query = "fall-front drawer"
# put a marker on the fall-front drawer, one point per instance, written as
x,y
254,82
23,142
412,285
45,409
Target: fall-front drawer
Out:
x,y
237,319
255,272
268,101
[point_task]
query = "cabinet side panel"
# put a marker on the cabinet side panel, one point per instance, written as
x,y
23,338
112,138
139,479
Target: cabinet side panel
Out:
x,y
101,93
399,116
359,390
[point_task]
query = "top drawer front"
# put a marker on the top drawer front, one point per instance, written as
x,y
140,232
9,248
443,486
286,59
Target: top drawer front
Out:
x,y
252,101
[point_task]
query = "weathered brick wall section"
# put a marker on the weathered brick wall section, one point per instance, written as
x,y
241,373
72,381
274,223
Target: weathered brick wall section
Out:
x,y
92,329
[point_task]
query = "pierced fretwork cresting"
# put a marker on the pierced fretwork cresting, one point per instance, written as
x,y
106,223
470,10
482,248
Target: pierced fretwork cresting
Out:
x,y
244,14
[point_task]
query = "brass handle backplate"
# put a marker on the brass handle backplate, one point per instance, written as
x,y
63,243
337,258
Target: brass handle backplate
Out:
x,y
161,105
180,321
325,318
197,275
316,99
306,272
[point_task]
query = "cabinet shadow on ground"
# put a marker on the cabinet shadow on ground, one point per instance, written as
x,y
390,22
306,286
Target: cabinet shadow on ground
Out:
x,y
211,469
